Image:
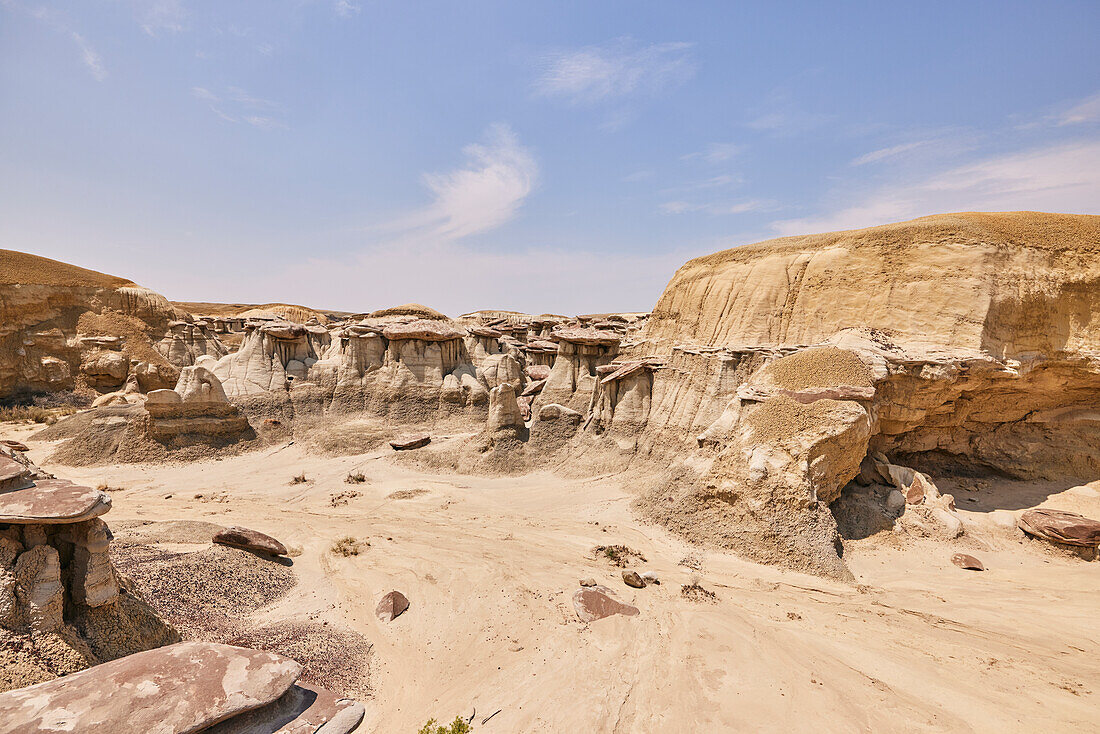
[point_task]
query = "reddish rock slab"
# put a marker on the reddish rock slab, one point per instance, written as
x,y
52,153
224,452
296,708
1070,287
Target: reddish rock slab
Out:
x,y
422,330
12,474
392,606
178,689
14,445
967,561
1061,527
595,602
411,442
301,710
52,501
250,540
533,388
541,346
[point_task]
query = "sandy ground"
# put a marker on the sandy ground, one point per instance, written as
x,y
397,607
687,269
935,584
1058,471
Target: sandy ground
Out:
x,y
490,565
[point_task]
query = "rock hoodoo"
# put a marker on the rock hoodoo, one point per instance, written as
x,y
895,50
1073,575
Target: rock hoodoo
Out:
x,y
57,580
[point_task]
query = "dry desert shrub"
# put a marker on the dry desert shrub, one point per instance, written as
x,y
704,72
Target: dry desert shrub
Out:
x,y
696,593
619,555
346,546
355,477
300,479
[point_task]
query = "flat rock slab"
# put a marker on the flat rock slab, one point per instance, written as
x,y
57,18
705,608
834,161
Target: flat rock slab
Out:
x,y
967,561
178,689
301,710
250,540
411,442
596,602
52,501
1061,527
14,445
392,606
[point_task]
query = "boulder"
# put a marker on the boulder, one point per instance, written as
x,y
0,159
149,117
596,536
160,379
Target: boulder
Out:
x,y
631,578
1061,527
413,441
969,562
250,540
597,602
391,606
186,687
588,581
14,445
504,410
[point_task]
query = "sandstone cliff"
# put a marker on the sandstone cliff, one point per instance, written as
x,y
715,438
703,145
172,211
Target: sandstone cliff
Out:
x,y
64,327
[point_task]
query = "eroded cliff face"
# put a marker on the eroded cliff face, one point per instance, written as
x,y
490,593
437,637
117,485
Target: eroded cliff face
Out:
x,y
958,344
64,327
1008,285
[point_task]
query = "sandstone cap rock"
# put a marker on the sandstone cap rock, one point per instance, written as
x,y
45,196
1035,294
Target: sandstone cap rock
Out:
x,y
423,330
588,336
52,501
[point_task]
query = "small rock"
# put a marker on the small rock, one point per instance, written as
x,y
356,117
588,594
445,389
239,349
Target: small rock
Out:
x,y
411,442
631,578
588,582
651,578
251,540
597,603
963,560
392,606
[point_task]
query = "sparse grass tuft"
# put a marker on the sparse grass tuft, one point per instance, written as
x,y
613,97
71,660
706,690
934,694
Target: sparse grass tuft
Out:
x,y
619,555
695,592
300,479
355,477
347,546
458,726
31,413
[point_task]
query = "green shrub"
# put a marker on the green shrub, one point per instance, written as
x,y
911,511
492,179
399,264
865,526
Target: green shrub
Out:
x,y
458,726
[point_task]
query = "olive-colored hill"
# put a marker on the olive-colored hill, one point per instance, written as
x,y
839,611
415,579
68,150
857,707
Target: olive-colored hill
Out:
x,y
21,268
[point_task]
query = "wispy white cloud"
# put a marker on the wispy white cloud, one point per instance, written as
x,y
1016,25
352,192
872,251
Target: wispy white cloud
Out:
x,y
720,208
237,105
88,55
1061,178
59,22
346,9
893,151
621,68
782,114
1087,110
714,153
498,177
156,16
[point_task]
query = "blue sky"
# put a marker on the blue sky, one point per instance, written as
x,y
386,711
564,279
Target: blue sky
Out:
x,y
538,156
